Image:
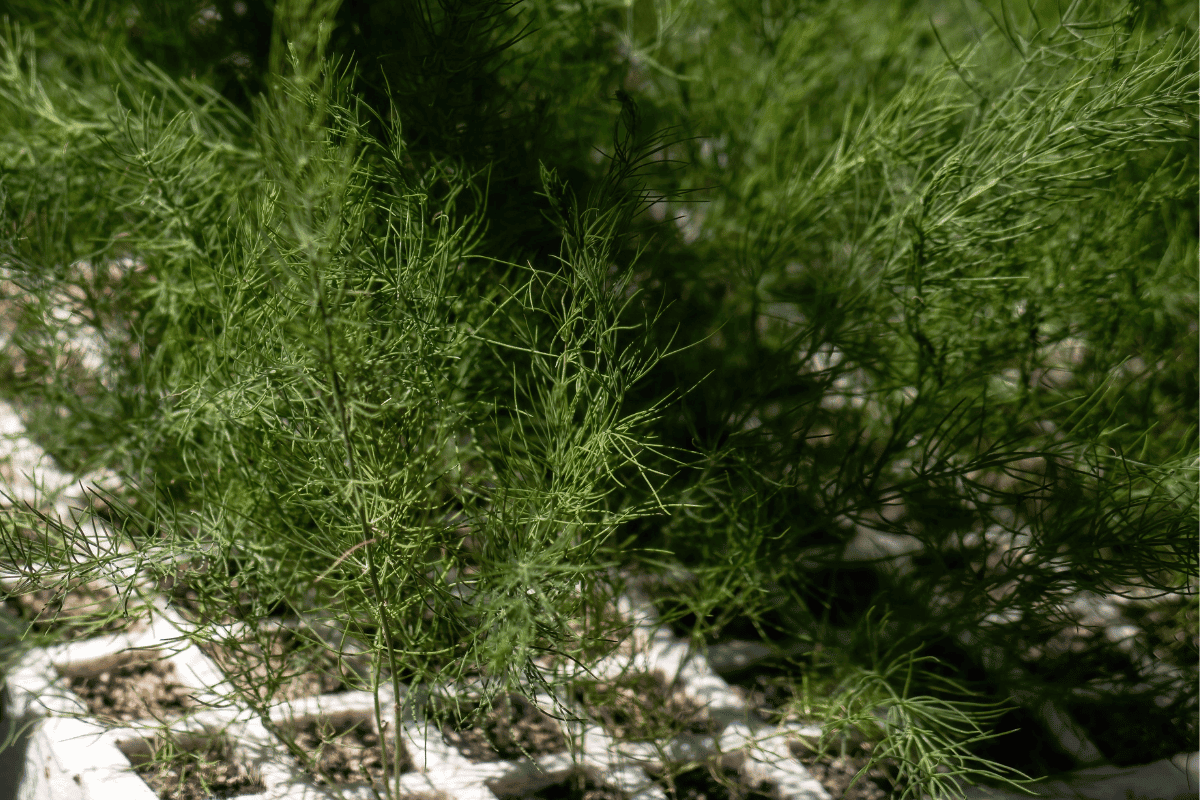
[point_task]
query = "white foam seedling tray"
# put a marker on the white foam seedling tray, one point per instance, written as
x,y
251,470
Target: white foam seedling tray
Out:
x,y
71,756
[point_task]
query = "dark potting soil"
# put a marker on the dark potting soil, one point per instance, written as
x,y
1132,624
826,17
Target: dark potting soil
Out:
x,y
81,612
771,621
836,773
302,667
577,786
206,770
512,728
766,690
1146,730
348,751
612,640
184,589
1132,716
708,782
640,706
139,690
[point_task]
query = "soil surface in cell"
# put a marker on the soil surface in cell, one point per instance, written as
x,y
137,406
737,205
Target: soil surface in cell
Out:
x,y
837,772
611,638
640,707
578,786
200,773
709,782
301,667
135,691
190,587
81,612
347,752
512,728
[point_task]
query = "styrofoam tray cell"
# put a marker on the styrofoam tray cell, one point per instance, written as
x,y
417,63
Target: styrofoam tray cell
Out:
x,y
639,706
345,748
76,612
512,728
191,766
578,785
709,781
299,666
134,690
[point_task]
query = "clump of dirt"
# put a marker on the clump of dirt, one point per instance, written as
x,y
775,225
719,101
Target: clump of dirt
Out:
x,y
301,667
641,706
510,729
199,773
348,752
138,690
577,786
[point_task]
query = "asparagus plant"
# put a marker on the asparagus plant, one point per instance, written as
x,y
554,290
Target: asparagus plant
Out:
x,y
406,337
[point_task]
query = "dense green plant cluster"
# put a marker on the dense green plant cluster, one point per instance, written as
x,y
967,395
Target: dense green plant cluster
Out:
x,y
442,312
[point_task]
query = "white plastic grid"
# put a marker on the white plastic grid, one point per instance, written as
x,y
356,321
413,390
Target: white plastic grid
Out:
x,y
57,760
73,756
36,689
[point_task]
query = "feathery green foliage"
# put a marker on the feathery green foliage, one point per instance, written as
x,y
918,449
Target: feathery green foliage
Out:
x,y
412,343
